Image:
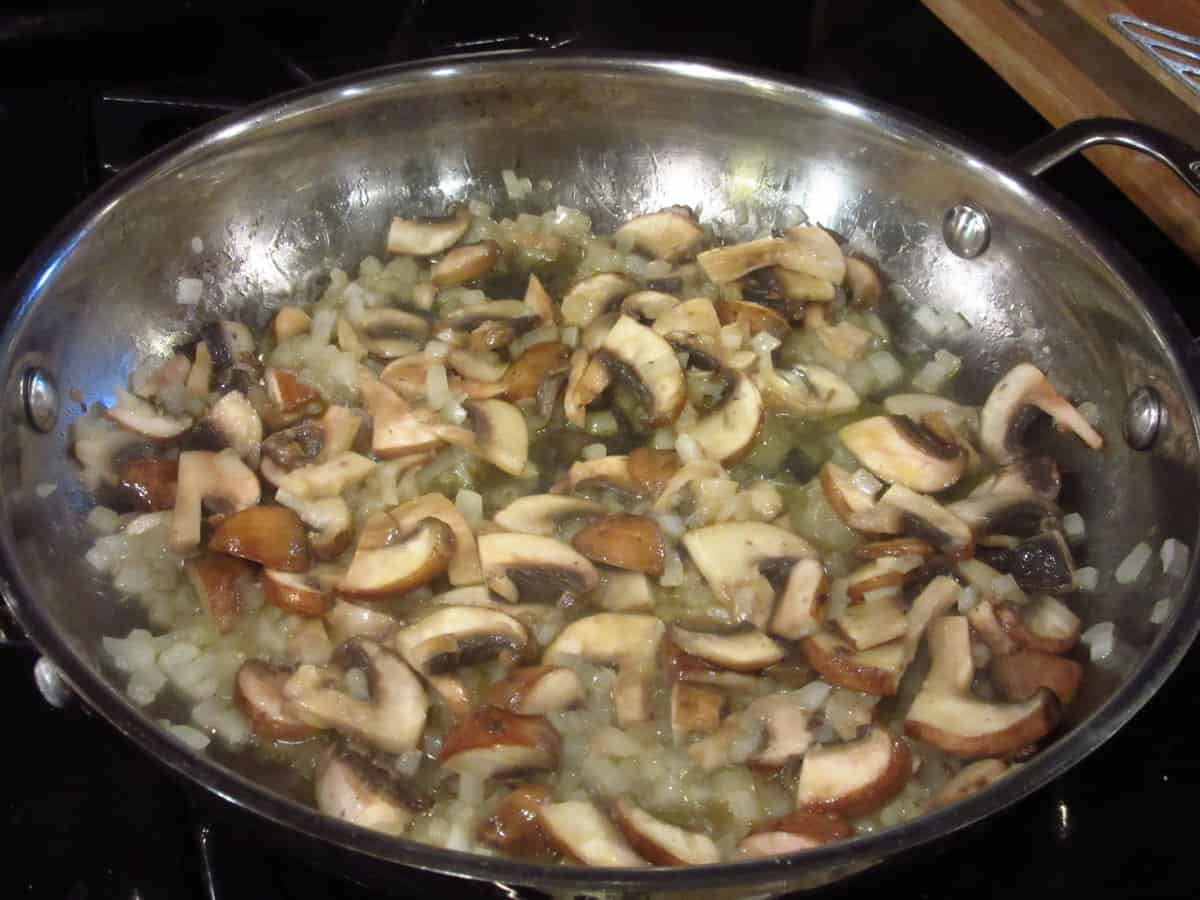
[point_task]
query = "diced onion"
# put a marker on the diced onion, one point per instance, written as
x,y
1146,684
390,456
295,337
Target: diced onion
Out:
x,y
764,342
1074,527
866,482
197,245
1086,578
570,336
1132,565
470,504
1100,640
813,695
968,598
1174,556
688,448
929,320
672,575
1161,610
188,291
887,369
437,350
594,451
437,386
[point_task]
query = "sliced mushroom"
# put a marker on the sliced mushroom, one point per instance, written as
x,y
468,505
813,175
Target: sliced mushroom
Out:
x,y
139,416
537,690
465,263
464,566
200,375
794,832
732,556
756,317
585,382
670,234
813,251
1006,513
624,541
391,720
329,517
1005,415
971,779
411,560
539,301
221,480
238,423
258,693
728,432
290,394
1019,676
533,368
946,715
595,295
879,618
218,580
611,472
862,282
856,506
229,343
523,567
350,788
547,514
742,650
788,729
583,834
1045,624
695,709
928,519
647,306
801,605
1044,563
854,778
327,479
989,582
396,430
496,742
427,237
309,643
295,593
636,354
455,636
271,535
694,320
388,333
805,249
1036,476
148,483
487,368
515,827
806,390
900,451
352,620
498,434
982,617
289,322
661,843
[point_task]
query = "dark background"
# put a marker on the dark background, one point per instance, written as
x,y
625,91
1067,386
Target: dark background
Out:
x,y
84,91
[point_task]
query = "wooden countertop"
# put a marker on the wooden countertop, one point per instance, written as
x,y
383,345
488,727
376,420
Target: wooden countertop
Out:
x,y
1070,62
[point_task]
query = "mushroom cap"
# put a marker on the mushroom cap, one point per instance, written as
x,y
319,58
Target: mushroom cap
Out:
x,y
388,333
1005,414
258,693
756,317
516,827
928,519
661,843
634,352
801,605
545,514
609,471
670,234
806,390
328,478
874,671
139,416
217,580
537,690
728,432
349,787
620,639
742,650
854,778
595,295
878,619
583,834
295,593
413,560
532,368
454,636
501,434
493,741
794,832
624,541
1020,675
622,591
524,566
465,263
271,535
427,237
898,450
464,565
968,781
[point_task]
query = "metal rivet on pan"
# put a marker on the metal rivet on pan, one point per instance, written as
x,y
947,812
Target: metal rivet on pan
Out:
x,y
50,683
39,396
967,230
1145,417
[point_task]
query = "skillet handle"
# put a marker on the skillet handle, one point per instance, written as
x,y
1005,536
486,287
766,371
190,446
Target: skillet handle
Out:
x,y
11,632
1084,133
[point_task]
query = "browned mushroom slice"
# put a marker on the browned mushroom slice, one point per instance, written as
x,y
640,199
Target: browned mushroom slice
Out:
x,y
874,621
1005,416
331,520
237,424
271,535
295,593
897,449
521,567
547,514
1019,676
583,834
661,843
395,568
653,468
854,505
289,322
496,742
801,605
806,390
464,566
537,690
454,636
139,416
1044,563
862,282
1004,513
633,352
1045,624
392,719
928,519
742,650
624,541
946,715
220,480
968,781
427,237
395,430
388,333
854,778
794,832
622,591
609,471
217,580
515,827
498,434
670,234
756,317
595,295
148,482
695,709
350,788
727,433
290,394
465,263
258,692
731,557
537,299
533,367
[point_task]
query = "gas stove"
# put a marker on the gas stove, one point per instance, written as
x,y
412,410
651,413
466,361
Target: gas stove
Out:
x,y
84,814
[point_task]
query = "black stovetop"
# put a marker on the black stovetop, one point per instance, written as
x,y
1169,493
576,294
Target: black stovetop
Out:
x,y
85,815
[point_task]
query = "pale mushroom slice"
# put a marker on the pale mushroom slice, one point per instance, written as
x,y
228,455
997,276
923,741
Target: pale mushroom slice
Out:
x,y
1020,675
643,359
788,729
807,249
595,295
516,828
727,433
946,715
862,282
624,541
661,843
585,382
613,472
537,690
409,561
390,333
495,742
582,833
1004,513
854,778
464,566
626,641
523,567
270,535
220,480
695,709
547,514
498,434
350,788
793,833
1045,624
454,636
742,649
806,390
622,591
1029,476
537,299
392,720
465,263
648,306
395,429
508,319
330,518
290,321
877,619
238,424
898,450
1005,415
329,478
755,317
928,519
692,321
296,593
731,556
800,610
427,237
348,620
140,416
670,234
855,505
970,780
258,693
532,370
